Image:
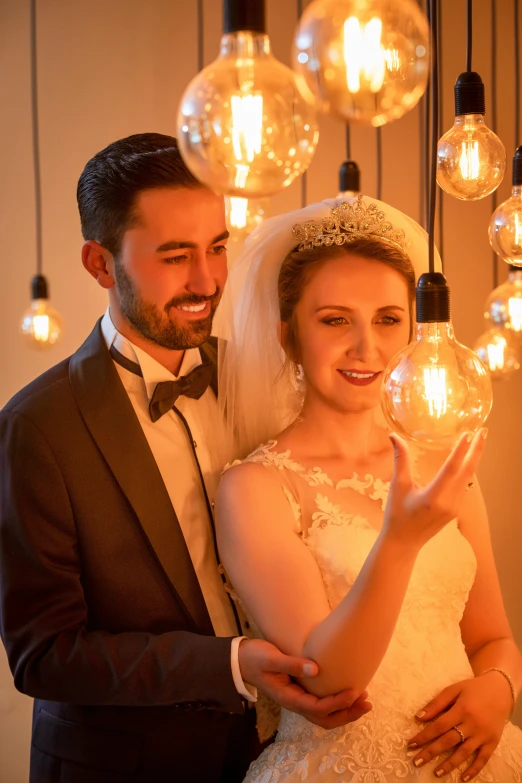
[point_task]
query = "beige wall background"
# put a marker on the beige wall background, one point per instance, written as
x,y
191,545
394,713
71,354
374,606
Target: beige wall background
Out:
x,y
109,68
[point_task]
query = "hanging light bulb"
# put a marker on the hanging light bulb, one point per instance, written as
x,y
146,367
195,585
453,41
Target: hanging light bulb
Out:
x,y
435,389
504,304
41,325
244,129
243,215
505,227
365,62
499,351
349,179
471,159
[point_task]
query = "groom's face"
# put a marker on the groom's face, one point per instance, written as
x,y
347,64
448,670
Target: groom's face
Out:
x,y
172,266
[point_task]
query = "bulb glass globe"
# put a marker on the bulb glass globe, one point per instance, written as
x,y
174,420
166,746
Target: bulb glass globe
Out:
x,y
244,129
504,304
505,228
471,159
41,325
365,62
498,350
243,215
436,389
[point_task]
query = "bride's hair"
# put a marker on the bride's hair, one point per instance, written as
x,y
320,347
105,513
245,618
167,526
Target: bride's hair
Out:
x,y
299,267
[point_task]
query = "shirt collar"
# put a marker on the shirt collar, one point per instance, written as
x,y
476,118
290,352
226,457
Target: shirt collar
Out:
x,y
153,371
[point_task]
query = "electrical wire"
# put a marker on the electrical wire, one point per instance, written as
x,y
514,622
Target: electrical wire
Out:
x,y
304,179
200,35
36,139
517,76
438,54
348,141
469,33
379,164
433,19
494,195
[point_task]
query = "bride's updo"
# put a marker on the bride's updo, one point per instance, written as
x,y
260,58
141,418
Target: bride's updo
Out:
x,y
299,267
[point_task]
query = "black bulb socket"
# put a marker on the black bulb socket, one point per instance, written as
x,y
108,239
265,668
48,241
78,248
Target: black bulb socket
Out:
x,y
244,15
432,299
469,94
349,176
517,167
39,287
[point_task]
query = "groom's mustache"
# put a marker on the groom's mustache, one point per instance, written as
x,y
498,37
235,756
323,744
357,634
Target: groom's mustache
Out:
x,y
192,299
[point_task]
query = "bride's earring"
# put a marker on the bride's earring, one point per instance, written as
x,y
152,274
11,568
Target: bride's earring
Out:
x,y
299,383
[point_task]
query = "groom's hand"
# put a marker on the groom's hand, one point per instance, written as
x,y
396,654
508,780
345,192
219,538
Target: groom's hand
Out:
x,y
268,669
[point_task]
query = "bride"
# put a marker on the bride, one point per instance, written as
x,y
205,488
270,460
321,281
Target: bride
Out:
x,y
342,544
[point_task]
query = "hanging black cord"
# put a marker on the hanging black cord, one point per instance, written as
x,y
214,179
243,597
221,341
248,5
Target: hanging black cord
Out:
x,y
433,18
36,145
494,195
303,176
517,78
440,39
200,35
469,34
379,164
427,153
348,142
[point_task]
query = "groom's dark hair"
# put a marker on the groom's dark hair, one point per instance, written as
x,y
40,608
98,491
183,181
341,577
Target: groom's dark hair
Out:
x,y
111,181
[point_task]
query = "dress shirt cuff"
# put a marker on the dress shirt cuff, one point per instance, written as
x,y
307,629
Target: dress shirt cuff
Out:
x,y
245,690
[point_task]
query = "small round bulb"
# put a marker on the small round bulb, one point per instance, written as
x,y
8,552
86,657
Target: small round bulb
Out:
x,y
244,215
435,389
504,304
471,159
498,350
365,62
41,326
244,129
505,227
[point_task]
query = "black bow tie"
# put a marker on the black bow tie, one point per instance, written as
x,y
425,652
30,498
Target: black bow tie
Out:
x,y
194,384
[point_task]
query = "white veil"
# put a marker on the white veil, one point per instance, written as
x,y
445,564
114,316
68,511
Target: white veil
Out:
x,y
257,386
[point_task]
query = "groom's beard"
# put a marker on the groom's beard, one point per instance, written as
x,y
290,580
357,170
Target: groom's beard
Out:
x,y
160,326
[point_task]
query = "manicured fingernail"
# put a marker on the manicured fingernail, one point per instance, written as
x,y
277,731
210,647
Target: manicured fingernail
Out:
x,y
439,773
308,670
466,777
484,435
412,745
420,714
418,762
469,437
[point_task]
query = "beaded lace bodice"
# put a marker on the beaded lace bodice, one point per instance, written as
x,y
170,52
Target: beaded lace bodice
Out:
x,y
339,521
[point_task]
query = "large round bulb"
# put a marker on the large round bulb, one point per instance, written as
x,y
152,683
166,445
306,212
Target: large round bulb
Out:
x,y
244,129
243,215
504,304
471,159
436,389
365,62
505,227
41,325
499,351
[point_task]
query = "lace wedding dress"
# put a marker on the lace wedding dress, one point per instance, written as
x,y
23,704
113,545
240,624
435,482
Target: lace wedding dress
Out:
x,y
339,523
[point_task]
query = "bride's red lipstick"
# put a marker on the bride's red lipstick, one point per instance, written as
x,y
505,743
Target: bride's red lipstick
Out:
x,y
359,381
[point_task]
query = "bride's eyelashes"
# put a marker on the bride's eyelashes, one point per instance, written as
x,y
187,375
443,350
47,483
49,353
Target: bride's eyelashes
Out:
x,y
340,320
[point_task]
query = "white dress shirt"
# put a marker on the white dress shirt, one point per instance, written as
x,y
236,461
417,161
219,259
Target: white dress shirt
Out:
x,y
169,443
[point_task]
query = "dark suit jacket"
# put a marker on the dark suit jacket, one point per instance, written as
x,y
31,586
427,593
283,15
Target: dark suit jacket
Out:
x,y
102,615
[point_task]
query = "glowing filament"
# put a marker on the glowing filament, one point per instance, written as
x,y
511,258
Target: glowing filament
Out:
x,y
247,126
435,390
515,313
238,212
496,353
41,328
363,54
518,230
469,160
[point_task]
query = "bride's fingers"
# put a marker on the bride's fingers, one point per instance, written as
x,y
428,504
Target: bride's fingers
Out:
x,y
459,468
402,474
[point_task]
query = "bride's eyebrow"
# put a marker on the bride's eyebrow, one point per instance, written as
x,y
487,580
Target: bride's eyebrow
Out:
x,y
351,309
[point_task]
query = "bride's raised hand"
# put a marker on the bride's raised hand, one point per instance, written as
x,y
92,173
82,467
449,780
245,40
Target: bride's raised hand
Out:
x,y
414,514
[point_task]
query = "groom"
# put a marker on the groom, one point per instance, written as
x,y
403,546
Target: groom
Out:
x,y
113,610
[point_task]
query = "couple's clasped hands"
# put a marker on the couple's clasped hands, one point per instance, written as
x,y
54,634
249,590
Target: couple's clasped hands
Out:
x,y
413,515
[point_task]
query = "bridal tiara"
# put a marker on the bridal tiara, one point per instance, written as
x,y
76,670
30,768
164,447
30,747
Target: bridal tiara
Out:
x,y
347,222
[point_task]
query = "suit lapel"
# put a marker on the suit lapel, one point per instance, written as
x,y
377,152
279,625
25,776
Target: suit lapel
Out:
x,y
108,413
